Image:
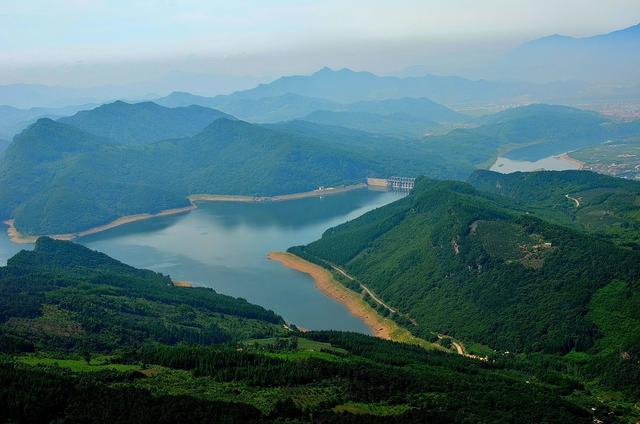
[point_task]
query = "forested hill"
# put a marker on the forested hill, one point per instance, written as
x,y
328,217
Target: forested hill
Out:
x,y
590,202
85,338
141,123
63,296
56,178
478,267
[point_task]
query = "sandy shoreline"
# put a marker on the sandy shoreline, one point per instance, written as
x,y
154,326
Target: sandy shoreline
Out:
x,y
186,284
17,237
256,199
380,326
579,164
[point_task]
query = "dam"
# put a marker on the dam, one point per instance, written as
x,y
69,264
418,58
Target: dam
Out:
x,y
393,183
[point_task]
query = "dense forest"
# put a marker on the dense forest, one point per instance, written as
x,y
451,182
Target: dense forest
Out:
x,y
96,166
593,203
85,338
481,268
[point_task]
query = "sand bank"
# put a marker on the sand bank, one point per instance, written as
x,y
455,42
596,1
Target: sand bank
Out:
x,y
578,164
255,199
179,283
17,237
380,326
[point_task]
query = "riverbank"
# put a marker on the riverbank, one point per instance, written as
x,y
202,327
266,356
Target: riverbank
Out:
x,y
184,284
256,199
17,237
578,164
380,326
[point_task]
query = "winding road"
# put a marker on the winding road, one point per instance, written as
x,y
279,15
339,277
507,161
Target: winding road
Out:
x,y
365,288
574,199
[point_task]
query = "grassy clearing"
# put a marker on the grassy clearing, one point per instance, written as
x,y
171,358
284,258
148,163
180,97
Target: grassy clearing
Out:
x,y
178,382
371,409
100,363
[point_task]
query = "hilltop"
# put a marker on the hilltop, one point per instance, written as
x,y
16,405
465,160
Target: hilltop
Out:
x,y
141,123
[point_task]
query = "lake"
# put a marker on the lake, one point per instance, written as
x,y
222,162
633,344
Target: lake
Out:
x,y
551,163
224,246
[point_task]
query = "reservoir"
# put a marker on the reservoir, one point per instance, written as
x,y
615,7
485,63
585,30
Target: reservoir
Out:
x,y
224,245
552,163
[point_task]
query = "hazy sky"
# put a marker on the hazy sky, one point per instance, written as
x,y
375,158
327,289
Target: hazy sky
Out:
x,y
88,42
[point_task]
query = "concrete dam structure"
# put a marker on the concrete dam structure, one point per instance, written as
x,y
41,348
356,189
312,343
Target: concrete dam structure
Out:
x,y
393,183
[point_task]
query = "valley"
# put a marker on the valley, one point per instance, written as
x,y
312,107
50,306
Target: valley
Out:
x,y
267,213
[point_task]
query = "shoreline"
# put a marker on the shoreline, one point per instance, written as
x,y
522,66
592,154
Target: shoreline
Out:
x,y
183,284
203,197
579,164
17,237
380,326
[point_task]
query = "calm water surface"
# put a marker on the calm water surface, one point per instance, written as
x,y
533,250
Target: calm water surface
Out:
x,y
551,163
224,246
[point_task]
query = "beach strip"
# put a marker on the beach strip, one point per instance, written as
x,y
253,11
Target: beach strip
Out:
x,y
17,237
380,326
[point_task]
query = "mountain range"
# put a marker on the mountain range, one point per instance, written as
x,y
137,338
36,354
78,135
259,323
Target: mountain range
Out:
x,y
606,58
96,166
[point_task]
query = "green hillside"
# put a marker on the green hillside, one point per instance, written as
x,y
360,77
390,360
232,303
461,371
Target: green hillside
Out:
x,y
476,267
593,203
76,180
62,296
141,123
395,125
420,107
85,338
57,178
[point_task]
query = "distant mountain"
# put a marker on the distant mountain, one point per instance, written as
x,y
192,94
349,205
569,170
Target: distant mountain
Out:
x,y
405,117
610,58
395,125
347,86
545,130
14,120
36,95
285,107
146,122
420,108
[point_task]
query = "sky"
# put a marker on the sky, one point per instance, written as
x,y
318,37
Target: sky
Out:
x,y
229,44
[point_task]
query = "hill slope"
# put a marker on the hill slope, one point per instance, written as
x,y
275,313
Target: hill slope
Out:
x,y
477,267
141,123
56,178
393,125
78,180
85,338
75,298
590,202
